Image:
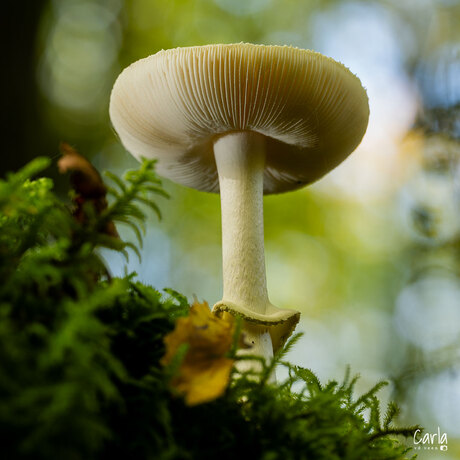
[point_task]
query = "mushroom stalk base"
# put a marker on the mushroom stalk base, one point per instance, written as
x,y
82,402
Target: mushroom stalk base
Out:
x,y
240,159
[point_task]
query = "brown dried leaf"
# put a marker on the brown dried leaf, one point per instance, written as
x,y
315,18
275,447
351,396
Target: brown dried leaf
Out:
x,y
87,183
86,180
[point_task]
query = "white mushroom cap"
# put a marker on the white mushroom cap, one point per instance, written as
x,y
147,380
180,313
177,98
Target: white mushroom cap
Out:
x,y
248,119
172,106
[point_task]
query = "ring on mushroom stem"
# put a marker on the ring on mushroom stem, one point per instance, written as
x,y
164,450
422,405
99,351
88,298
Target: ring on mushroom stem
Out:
x,y
247,120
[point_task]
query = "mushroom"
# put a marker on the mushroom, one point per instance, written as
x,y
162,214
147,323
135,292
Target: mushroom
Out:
x,y
245,120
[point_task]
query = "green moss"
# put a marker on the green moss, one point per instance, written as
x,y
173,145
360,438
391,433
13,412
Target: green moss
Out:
x,y
79,354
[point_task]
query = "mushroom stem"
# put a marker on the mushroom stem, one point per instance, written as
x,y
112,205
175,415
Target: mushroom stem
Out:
x,y
240,159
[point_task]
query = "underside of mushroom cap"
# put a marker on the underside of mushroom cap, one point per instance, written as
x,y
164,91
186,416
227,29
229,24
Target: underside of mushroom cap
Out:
x,y
172,105
281,322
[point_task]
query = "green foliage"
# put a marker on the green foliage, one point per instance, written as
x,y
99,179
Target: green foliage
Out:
x,y
135,189
80,376
65,326
302,419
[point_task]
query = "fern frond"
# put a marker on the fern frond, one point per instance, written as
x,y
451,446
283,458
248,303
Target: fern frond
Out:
x,y
114,178
391,413
366,396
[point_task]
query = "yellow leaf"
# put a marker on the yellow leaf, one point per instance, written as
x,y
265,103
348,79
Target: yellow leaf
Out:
x,y
205,370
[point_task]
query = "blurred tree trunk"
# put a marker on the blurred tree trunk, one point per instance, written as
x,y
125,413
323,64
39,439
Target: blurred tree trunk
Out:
x,y
22,133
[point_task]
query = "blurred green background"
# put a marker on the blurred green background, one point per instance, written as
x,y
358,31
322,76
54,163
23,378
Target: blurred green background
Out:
x,y
370,254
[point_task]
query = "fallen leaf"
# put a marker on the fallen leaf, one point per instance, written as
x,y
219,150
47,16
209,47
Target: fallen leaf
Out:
x,y
86,180
87,184
205,370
